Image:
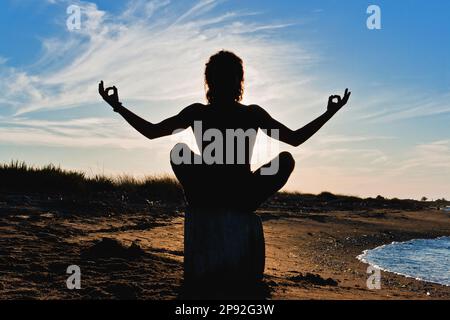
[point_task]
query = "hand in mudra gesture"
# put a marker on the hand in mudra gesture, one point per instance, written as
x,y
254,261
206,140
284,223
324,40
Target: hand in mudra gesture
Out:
x,y
111,99
335,106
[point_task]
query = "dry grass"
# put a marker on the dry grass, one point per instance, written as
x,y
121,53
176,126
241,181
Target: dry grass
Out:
x,y
19,177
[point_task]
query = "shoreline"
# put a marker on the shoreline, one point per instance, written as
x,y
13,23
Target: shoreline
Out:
x,y
364,260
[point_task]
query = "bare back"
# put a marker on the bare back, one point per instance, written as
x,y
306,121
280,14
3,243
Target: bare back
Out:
x,y
236,123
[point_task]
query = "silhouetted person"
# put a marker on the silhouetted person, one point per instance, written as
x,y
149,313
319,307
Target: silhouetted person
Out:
x,y
223,184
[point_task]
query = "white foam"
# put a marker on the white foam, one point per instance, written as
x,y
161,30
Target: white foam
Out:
x,y
433,268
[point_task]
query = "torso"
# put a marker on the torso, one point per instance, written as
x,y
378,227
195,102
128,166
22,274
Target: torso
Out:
x,y
232,119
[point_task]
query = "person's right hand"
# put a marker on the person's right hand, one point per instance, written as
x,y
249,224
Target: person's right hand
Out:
x,y
111,99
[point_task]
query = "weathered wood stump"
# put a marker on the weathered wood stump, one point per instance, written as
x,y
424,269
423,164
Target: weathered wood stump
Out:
x,y
223,246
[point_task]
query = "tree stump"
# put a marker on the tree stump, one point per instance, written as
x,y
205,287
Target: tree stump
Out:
x,y
223,245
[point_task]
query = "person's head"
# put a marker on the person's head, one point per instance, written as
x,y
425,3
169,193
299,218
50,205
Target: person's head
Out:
x,y
224,78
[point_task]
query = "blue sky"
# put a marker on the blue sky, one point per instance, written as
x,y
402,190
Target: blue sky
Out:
x,y
392,139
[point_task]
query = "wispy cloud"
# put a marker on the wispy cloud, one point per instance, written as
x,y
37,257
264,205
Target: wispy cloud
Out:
x,y
392,106
155,54
147,58
73,133
434,155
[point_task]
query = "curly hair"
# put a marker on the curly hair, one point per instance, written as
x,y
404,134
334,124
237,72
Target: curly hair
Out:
x,y
224,78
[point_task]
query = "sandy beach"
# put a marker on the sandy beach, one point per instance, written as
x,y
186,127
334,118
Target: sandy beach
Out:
x,y
310,254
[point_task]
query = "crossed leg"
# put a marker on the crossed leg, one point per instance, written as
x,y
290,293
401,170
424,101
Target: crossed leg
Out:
x,y
206,185
190,175
266,185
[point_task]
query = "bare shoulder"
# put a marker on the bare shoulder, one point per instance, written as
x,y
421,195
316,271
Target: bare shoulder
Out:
x,y
193,108
196,106
250,107
257,110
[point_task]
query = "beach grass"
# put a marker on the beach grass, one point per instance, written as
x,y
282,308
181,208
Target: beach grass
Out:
x,y
18,176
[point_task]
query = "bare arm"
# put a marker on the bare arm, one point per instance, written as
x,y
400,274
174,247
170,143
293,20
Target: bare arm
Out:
x,y
298,137
148,129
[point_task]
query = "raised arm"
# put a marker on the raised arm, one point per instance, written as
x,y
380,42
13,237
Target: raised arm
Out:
x,y
149,130
298,137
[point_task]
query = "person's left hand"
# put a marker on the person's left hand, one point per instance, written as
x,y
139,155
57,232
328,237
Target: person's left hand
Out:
x,y
111,99
333,106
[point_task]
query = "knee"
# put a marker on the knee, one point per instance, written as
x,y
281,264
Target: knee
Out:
x,y
287,161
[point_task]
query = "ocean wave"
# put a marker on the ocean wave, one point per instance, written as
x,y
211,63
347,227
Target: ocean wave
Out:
x,y
421,259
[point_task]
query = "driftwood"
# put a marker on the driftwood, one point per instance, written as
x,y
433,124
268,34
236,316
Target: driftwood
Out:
x,y
223,246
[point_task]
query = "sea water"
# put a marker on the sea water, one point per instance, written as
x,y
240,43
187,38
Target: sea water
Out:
x,y
426,260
